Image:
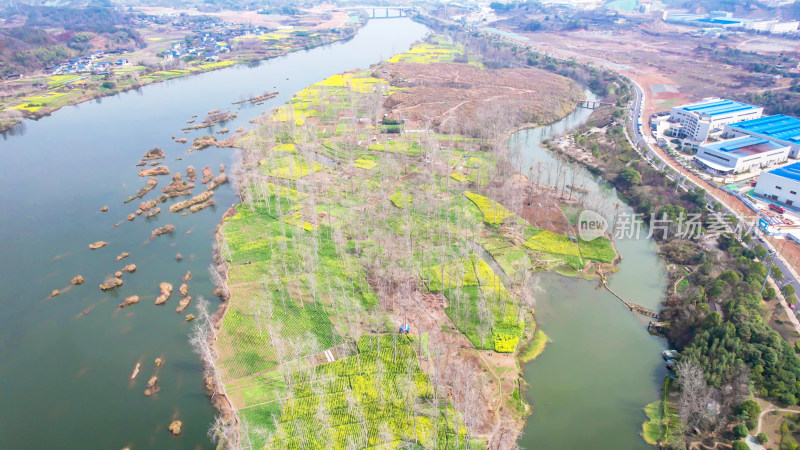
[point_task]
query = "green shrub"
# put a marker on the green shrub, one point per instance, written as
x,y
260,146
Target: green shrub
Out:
x,y
740,431
749,409
789,399
630,177
762,438
751,424
393,129
740,445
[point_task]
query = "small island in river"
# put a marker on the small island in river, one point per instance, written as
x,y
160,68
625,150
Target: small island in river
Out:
x,y
376,268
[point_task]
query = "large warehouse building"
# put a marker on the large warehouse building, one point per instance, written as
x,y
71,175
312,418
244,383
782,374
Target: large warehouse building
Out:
x,y
781,129
697,120
740,155
781,185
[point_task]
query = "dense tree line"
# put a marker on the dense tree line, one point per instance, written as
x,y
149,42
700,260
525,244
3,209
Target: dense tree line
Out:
x,y
742,340
785,101
767,64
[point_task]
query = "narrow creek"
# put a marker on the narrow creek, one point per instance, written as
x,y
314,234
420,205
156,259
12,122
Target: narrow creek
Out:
x,y
589,387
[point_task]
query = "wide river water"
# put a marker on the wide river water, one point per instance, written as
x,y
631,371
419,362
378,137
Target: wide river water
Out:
x,y
65,361
589,387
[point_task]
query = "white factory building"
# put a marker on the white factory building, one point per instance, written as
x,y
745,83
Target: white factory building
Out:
x,y
781,185
740,155
697,121
772,26
779,128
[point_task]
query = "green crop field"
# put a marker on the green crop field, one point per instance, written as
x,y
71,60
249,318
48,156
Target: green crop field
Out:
x,y
401,200
379,398
321,258
493,213
576,249
479,304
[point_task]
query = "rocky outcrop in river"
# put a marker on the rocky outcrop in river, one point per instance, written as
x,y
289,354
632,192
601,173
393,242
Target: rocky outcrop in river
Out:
x,y
208,175
166,229
153,153
132,300
111,283
151,183
203,197
218,180
166,291
154,171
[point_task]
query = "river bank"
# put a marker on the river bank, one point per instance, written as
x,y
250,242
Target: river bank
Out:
x,y
74,89
731,305
589,328
60,351
720,295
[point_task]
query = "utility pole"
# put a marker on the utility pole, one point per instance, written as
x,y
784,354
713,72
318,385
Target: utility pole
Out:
x,y
771,257
679,177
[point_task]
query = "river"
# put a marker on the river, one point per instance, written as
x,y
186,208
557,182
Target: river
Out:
x,y
589,387
65,361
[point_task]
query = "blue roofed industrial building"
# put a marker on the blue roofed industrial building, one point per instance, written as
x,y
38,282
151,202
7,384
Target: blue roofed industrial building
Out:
x,y
715,108
697,121
781,129
740,155
781,185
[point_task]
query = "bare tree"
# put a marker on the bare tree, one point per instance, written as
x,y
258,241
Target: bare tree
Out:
x,y
695,397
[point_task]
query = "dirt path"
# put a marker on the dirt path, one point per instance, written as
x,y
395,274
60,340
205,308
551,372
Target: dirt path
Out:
x,y
772,408
499,385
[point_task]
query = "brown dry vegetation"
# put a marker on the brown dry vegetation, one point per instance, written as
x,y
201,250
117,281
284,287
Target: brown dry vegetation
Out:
x,y
463,99
663,59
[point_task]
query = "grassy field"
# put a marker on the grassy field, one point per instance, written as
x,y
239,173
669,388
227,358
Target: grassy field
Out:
x,y
573,250
379,398
535,347
663,424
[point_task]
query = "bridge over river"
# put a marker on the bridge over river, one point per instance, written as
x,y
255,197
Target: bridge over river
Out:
x,y
381,12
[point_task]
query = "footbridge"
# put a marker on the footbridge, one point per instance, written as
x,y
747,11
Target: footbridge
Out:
x,y
633,307
590,104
